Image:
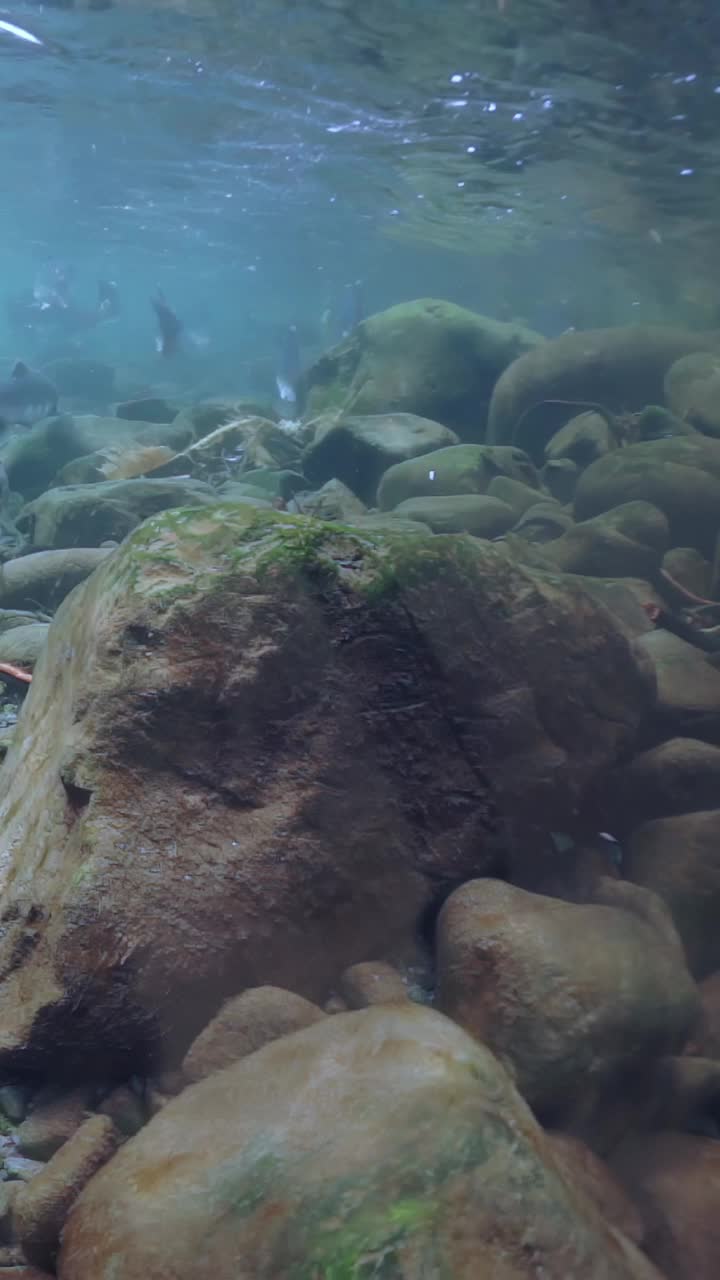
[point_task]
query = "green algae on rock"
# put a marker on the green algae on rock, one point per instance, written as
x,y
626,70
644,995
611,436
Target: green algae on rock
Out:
x,y
86,515
264,745
618,369
379,1143
427,357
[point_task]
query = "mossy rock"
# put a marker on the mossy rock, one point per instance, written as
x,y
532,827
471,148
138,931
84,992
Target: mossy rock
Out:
x,y
288,737
474,513
427,357
461,469
379,1145
680,475
620,369
359,449
87,515
32,460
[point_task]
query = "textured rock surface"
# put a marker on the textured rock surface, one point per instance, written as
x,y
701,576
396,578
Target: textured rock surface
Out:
x,y
460,469
357,450
263,746
621,369
679,859
43,1204
381,1137
427,357
675,1180
244,1024
478,514
680,475
567,995
88,514
46,577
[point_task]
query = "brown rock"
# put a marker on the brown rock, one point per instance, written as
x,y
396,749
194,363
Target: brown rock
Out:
x,y
581,1168
675,1180
367,1137
245,1024
304,735
537,981
125,1109
9,1192
50,1125
679,859
43,1205
372,983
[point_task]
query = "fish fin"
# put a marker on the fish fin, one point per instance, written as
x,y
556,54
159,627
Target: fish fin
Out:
x,y
20,370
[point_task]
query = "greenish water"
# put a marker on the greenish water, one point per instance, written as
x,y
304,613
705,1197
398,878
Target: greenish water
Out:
x,y
533,160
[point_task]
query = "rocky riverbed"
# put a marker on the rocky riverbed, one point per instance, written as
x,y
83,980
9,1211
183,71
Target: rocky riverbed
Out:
x,y
359,830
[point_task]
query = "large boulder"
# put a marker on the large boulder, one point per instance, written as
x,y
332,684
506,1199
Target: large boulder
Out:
x,y
44,578
692,390
357,449
459,469
426,357
680,475
568,995
626,542
383,1142
679,859
619,369
264,746
85,515
32,460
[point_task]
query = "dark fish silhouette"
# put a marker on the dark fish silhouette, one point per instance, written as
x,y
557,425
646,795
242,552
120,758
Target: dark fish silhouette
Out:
x,y
26,397
170,327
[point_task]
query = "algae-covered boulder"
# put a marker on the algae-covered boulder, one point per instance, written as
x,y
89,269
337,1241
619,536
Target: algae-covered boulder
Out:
x,y
33,459
264,744
357,450
427,357
44,578
474,513
382,1142
680,475
460,469
626,542
692,390
620,369
86,515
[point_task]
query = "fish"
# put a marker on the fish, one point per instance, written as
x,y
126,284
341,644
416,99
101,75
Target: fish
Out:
x,y
108,306
169,325
19,33
288,375
353,308
26,397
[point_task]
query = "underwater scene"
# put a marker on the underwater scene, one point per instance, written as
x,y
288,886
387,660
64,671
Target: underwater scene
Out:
x,y
360,640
